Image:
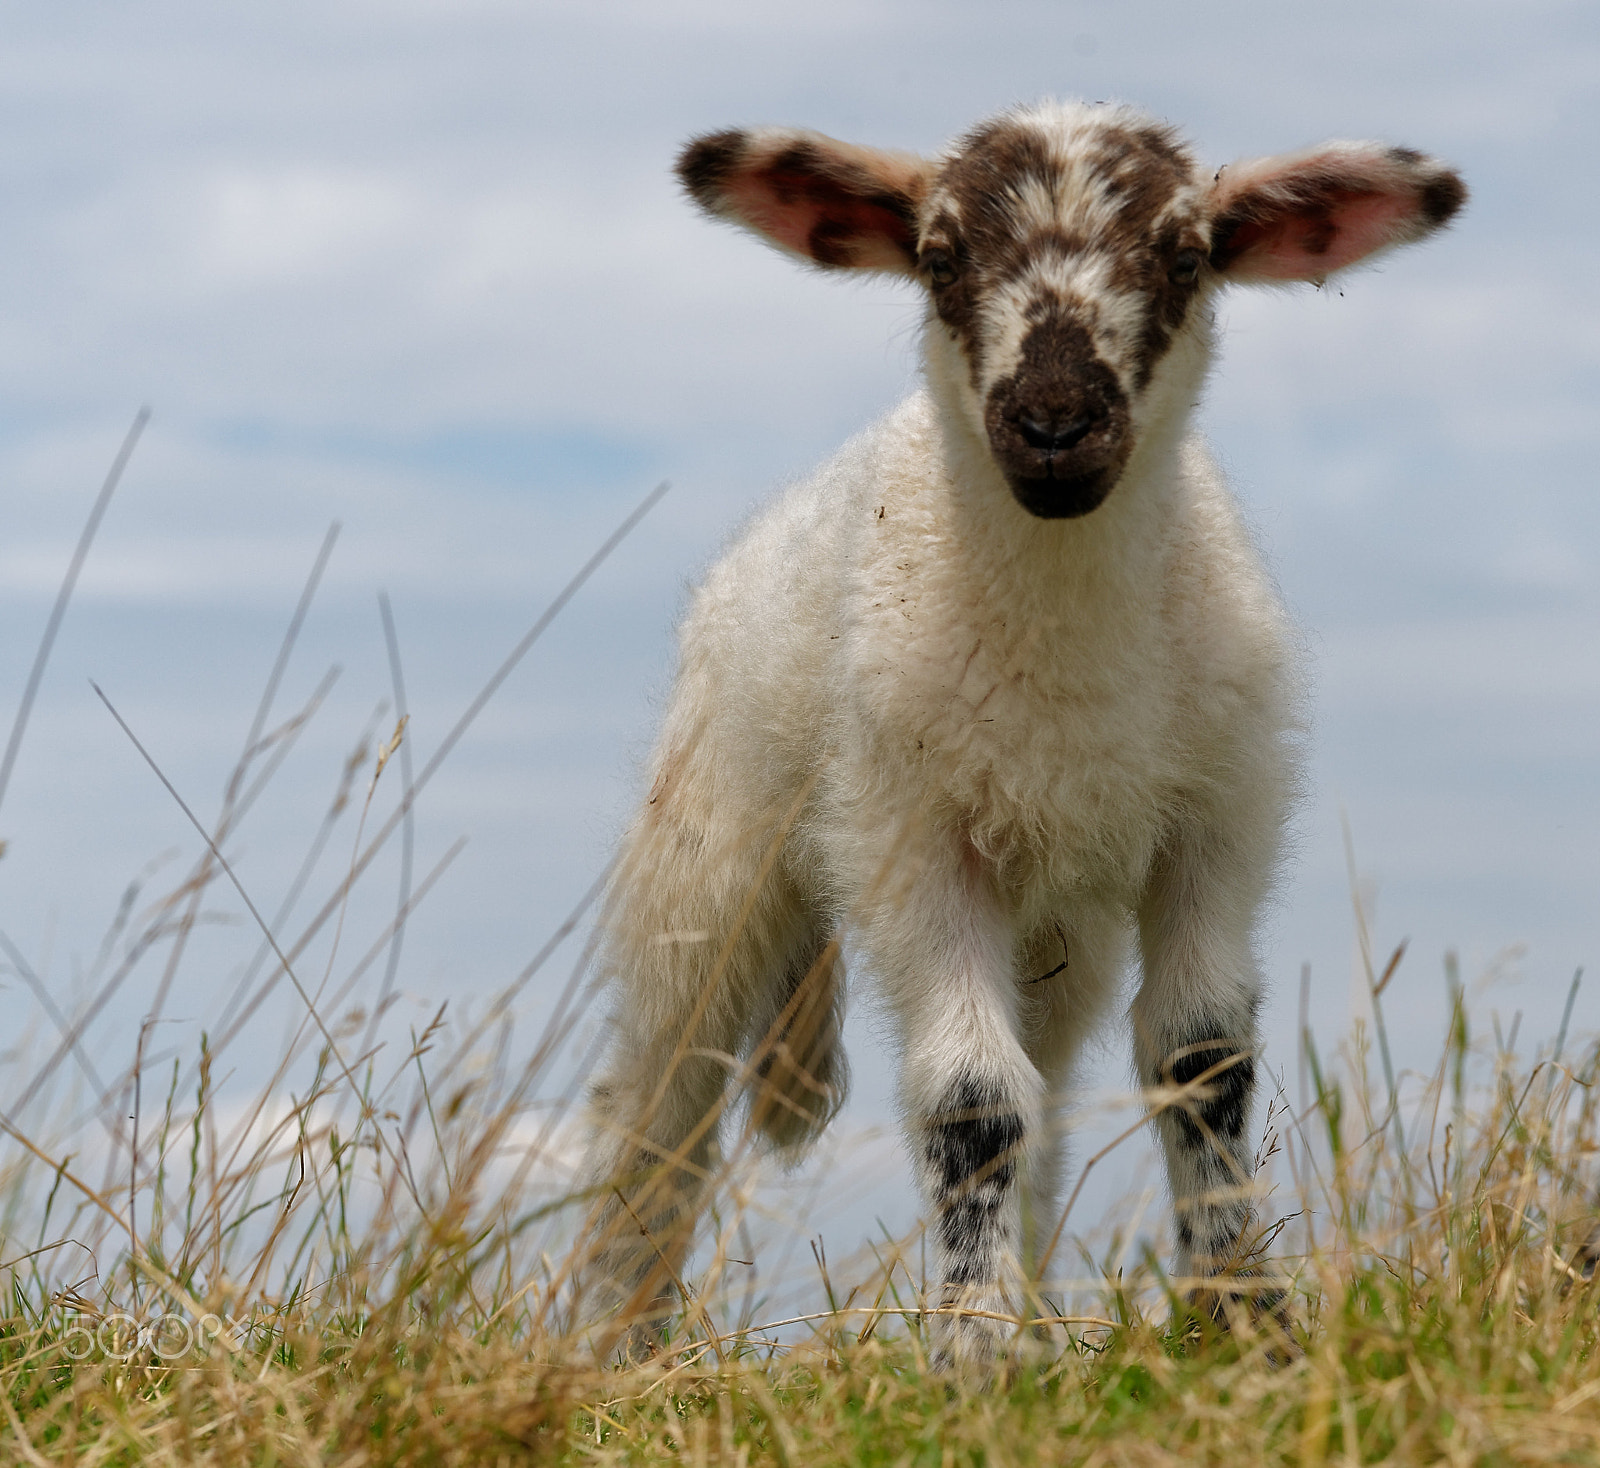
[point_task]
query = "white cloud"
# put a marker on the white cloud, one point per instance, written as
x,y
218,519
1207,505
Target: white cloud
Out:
x,y
294,224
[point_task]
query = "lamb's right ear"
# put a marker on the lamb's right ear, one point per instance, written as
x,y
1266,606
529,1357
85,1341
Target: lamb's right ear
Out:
x,y
830,202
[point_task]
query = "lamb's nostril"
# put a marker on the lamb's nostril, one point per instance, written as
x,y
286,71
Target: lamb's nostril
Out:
x,y
1054,434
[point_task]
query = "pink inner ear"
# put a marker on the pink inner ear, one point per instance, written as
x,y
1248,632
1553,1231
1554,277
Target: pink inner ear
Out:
x,y
814,216
1308,245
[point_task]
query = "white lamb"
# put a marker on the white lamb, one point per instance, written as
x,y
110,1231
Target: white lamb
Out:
x,y
1002,685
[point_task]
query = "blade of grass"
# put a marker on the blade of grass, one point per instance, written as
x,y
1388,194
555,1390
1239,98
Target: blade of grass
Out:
x,y
397,684
52,625
474,708
252,745
238,886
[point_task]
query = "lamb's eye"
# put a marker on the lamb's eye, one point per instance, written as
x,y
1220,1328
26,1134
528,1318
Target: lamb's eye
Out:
x,y
1185,267
940,267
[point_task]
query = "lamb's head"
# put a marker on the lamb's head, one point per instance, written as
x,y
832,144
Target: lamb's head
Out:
x,y
1068,252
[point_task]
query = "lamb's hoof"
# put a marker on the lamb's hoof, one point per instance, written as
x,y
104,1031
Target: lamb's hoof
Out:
x,y
639,1346
632,1341
1589,1254
1253,1314
979,1352
1585,1260
972,1357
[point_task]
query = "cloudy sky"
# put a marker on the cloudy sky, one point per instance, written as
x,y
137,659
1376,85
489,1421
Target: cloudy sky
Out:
x,y
420,268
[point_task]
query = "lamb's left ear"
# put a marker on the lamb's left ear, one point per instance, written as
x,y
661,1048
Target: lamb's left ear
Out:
x,y
1301,216
832,203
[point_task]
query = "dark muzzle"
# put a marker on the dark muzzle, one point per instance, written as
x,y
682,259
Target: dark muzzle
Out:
x,y
1058,426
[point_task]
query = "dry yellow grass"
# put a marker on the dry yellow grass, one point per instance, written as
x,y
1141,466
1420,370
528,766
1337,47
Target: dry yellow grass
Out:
x,y
371,1259
309,1290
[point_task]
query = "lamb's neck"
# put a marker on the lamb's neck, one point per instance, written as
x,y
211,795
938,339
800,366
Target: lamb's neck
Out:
x,y
1065,572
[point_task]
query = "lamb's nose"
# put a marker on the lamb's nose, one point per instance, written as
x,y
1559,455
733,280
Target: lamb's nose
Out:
x,y
1054,433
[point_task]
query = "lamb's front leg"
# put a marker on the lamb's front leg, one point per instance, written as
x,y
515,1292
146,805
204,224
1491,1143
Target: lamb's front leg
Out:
x,y
1194,1020
972,1098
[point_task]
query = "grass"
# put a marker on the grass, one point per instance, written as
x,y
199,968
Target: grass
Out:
x,y
1434,1313
370,1258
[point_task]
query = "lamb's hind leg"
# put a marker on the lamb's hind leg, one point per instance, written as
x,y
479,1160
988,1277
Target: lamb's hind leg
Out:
x,y
695,934
797,1052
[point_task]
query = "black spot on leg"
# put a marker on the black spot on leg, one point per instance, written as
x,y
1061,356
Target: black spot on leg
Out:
x,y
974,1135
1224,1096
965,1229
971,1151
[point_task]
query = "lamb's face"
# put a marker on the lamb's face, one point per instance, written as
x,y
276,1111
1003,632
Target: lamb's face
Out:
x,y
1063,249
1067,250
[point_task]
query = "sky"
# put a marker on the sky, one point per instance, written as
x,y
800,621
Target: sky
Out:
x,y
421,269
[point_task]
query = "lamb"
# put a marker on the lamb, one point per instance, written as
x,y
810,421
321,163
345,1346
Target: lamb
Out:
x,y
1003,688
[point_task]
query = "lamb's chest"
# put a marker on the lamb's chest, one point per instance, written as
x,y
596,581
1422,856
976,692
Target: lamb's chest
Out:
x,y
1053,751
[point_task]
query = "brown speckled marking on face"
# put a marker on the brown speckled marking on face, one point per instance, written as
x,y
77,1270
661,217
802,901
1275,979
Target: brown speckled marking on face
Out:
x,y
1169,299
1140,169
1143,169
981,232
1149,168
